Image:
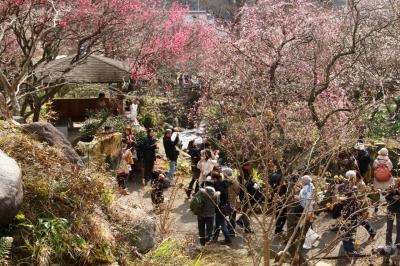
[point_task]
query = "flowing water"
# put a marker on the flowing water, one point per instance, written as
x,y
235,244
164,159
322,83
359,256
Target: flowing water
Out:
x,y
189,134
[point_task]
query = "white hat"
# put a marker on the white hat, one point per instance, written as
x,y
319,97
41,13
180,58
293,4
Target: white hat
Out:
x,y
359,146
227,172
306,178
210,189
351,174
383,152
198,141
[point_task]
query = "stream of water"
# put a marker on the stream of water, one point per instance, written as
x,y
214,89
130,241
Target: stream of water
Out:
x,y
189,134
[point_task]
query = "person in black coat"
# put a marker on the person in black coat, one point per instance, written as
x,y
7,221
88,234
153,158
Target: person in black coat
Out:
x,y
170,151
278,198
251,188
149,155
195,156
363,160
222,207
393,201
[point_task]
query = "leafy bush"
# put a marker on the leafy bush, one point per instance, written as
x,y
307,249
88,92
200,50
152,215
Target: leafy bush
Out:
x,y
147,120
94,124
382,125
5,248
150,114
140,138
53,237
170,252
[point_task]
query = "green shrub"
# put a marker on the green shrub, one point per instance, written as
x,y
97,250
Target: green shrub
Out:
x,y
94,124
147,120
170,252
140,139
5,248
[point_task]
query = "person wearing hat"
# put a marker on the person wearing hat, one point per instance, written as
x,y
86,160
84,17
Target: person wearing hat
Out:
x,y
305,206
233,193
306,193
362,160
382,170
342,188
171,151
205,219
350,213
354,214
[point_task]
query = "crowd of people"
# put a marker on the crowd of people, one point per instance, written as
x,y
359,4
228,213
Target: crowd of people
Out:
x,y
224,199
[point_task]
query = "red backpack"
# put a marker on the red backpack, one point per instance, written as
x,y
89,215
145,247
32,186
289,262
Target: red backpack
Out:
x,y
382,172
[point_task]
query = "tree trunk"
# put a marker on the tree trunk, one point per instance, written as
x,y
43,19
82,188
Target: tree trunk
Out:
x,y
266,250
36,113
15,104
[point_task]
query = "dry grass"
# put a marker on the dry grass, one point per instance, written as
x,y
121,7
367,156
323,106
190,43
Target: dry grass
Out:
x,y
54,191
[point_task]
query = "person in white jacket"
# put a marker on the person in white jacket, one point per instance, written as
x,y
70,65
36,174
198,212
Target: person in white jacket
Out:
x,y
206,165
384,159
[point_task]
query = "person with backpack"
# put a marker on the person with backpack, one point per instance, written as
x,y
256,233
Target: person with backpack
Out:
x,y
222,209
195,156
170,151
203,206
383,170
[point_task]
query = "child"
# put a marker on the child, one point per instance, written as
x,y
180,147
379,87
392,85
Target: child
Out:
x,y
157,196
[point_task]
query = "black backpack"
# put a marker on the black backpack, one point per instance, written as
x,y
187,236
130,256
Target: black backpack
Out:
x,y
197,204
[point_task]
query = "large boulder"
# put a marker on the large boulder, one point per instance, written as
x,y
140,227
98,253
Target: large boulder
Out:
x,y
11,191
46,132
137,221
